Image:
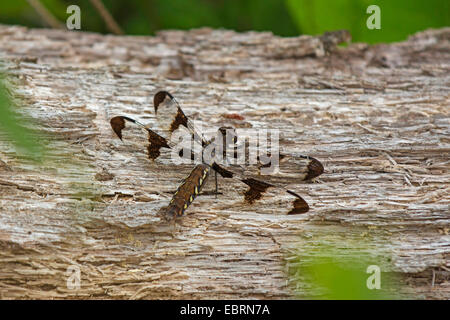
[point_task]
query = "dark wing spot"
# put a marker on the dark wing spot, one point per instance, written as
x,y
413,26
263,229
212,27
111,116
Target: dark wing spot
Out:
x,y
299,205
257,188
222,171
315,168
180,119
156,142
117,124
158,98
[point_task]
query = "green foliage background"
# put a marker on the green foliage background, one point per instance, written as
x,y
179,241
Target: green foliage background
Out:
x,y
15,126
399,18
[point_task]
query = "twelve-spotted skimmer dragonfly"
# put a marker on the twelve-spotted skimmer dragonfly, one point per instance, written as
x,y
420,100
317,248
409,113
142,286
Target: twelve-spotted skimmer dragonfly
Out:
x,y
171,117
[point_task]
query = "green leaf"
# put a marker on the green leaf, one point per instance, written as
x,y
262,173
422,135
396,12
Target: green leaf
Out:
x,y
399,18
15,127
340,272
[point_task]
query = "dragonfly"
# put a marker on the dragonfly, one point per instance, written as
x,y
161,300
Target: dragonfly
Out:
x,y
259,189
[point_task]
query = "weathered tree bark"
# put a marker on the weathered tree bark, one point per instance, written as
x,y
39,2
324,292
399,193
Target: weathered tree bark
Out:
x,y
376,116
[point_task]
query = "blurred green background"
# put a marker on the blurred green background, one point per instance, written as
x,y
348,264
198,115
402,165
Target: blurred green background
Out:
x,y
399,18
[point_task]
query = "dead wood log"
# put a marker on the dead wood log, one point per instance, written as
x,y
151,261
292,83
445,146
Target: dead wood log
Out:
x,y
376,116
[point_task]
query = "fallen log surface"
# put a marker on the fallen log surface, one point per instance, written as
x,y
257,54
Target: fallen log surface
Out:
x,y
377,117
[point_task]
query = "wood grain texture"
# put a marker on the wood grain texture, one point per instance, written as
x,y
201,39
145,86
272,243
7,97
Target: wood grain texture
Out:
x,y
377,117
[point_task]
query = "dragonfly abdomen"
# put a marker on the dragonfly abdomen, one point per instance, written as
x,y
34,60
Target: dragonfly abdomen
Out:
x,y
187,191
